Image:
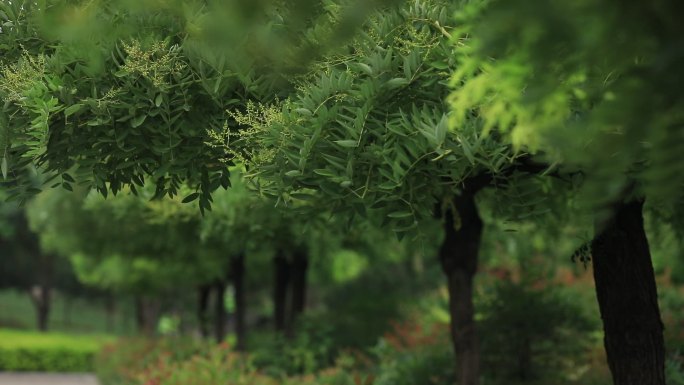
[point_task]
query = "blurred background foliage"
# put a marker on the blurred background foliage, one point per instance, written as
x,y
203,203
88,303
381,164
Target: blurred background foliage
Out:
x,y
357,117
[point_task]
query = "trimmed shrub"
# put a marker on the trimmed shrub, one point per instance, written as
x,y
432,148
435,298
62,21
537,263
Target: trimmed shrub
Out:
x,y
47,352
46,360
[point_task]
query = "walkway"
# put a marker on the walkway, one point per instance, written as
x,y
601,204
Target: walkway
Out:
x,y
46,379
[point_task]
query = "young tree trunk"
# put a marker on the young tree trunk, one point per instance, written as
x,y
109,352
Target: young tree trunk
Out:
x,y
66,311
282,280
41,298
628,299
238,271
525,361
220,316
110,309
299,266
203,293
145,315
458,256
139,314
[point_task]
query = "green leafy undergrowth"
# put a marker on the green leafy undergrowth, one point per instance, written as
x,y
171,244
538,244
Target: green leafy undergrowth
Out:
x,y
50,352
189,362
122,362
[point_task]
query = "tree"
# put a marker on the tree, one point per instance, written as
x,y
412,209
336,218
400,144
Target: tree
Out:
x,y
243,223
132,247
369,130
110,104
595,90
29,267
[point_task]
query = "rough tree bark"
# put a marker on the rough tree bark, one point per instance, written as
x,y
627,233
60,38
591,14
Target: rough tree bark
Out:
x,y
628,300
238,275
459,258
220,314
282,279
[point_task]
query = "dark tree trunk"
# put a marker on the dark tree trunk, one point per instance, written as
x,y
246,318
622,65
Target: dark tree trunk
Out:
x,y
41,298
139,315
282,279
66,311
220,316
628,300
299,268
145,315
238,272
203,293
110,308
459,257
525,360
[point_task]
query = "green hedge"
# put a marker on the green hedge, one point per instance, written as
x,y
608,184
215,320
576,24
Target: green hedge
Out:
x,y
48,352
46,360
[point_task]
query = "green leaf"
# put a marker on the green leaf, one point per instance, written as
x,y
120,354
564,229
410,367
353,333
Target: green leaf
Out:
x,y
68,178
158,100
304,111
397,82
4,167
72,109
400,214
301,196
347,143
324,172
293,173
191,197
365,68
138,120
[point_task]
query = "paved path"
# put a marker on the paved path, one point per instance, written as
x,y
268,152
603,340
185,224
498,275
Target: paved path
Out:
x,y
46,379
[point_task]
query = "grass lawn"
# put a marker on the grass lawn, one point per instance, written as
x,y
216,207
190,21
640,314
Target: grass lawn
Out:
x,y
72,316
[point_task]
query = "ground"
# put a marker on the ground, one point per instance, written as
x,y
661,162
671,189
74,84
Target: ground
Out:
x,y
46,379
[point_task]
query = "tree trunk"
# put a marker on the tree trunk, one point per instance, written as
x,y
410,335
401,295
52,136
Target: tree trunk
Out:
x,y
628,299
220,316
458,256
110,308
41,298
525,360
66,311
203,292
282,278
145,315
238,271
299,266
139,314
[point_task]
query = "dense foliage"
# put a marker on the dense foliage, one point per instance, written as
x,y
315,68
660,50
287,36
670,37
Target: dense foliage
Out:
x,y
501,132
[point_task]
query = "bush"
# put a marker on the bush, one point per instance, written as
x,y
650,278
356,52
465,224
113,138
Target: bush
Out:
x,y
47,352
412,355
184,362
674,370
365,307
534,333
216,366
122,362
308,351
671,305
